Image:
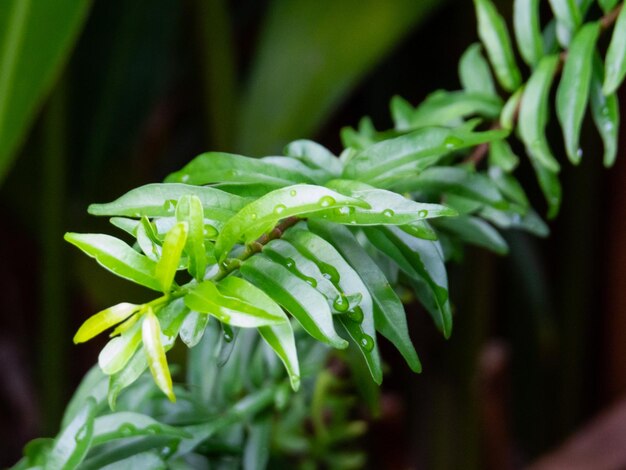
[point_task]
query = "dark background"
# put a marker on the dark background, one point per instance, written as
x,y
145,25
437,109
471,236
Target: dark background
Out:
x,y
538,340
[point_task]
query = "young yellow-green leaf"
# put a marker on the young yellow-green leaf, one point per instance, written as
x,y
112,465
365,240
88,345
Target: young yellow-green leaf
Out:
x,y
573,92
279,337
116,256
315,155
159,200
527,28
72,444
155,354
173,245
569,18
474,72
232,310
510,109
605,112
103,320
386,207
119,350
218,167
346,263
533,115
263,214
493,33
189,210
296,296
615,61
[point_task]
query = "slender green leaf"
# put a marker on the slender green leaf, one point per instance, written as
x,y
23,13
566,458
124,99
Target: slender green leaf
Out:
x,y
502,156
508,186
533,115
299,298
551,187
573,92
256,453
511,109
192,328
36,38
569,18
475,231
189,210
615,61
94,385
474,72
527,28
315,155
529,221
263,214
103,320
605,112
494,35
155,353
119,350
117,257
389,315
173,246
125,424
309,173
126,377
72,444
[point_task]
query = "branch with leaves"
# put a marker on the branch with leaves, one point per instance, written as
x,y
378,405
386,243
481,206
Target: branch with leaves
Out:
x,y
307,249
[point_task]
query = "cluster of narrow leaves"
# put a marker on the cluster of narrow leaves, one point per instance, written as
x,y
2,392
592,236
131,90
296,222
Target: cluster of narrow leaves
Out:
x,y
308,248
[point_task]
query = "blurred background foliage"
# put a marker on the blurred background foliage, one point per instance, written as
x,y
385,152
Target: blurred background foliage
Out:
x,y
99,97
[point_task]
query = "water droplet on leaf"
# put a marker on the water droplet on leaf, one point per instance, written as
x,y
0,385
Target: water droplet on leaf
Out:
x,y
326,201
366,342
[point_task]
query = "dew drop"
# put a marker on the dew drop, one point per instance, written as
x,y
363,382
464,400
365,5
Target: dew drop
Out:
x,y
292,193
422,213
231,173
341,304
388,213
185,178
366,342
153,429
210,231
126,429
81,434
452,142
279,209
253,216
170,205
356,315
290,263
312,282
579,153
326,201
608,126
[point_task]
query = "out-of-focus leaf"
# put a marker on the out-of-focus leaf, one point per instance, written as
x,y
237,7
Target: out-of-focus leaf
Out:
x,y
529,221
218,167
527,27
413,152
72,444
117,257
93,384
389,315
615,61
299,298
510,109
103,320
605,112
508,186
607,5
569,18
551,187
256,453
474,72
125,424
573,92
126,377
155,353
173,246
326,66
230,309
119,350
263,214
315,155
160,199
447,107
35,41
146,460
495,36
477,232
501,155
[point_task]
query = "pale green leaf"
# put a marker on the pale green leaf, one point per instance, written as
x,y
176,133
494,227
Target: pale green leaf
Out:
x,y
103,320
605,112
527,28
173,246
615,61
155,354
474,72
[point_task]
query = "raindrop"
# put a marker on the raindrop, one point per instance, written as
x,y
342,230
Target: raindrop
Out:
x,y
452,142
290,263
326,201
127,429
185,178
81,434
341,304
579,153
153,429
292,193
366,342
422,213
279,209
312,282
356,315
388,213
253,216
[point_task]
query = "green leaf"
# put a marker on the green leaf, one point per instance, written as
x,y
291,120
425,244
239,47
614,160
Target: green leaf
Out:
x,y
192,328
501,155
615,61
423,261
529,221
73,443
117,257
103,320
533,115
189,210
568,18
475,231
607,5
386,207
389,315
474,72
307,94
605,112
456,180
126,377
263,214
256,453
126,424
412,152
551,187
299,298
155,353
315,155
308,173
347,296
494,35
232,309
218,167
573,92
173,246
511,109
527,28
94,385
508,186
36,38
159,200
447,107
119,350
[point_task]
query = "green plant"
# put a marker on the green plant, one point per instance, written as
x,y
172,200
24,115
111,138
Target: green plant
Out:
x,y
325,240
